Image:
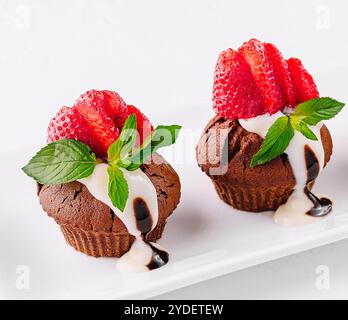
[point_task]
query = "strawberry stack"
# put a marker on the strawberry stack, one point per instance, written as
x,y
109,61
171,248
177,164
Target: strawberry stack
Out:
x,y
256,79
96,119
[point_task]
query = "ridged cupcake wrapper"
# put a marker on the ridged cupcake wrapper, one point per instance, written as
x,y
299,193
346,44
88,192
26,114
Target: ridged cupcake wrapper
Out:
x,y
103,244
252,199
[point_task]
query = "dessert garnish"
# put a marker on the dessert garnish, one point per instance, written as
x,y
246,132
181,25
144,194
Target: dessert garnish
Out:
x,y
278,100
304,116
86,146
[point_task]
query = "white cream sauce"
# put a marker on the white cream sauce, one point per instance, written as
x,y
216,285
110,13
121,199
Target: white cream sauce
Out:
x,y
140,186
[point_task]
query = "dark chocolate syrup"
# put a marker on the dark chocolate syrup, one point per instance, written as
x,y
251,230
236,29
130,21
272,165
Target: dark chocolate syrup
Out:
x,y
159,258
143,216
321,206
144,224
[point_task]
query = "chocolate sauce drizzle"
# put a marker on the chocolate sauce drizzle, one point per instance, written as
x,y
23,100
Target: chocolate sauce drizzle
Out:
x,y
144,224
159,258
321,206
143,216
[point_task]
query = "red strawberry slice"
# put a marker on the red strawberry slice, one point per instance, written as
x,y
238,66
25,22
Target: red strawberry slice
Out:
x,y
119,111
68,124
235,94
92,108
254,52
282,74
143,124
304,83
114,104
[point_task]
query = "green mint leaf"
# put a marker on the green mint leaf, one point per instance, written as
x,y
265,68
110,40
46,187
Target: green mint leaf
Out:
x,y
125,142
60,162
315,110
162,136
276,141
118,188
304,129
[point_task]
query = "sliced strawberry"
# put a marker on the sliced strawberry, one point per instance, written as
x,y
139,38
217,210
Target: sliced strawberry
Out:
x,y
235,94
304,83
68,124
254,52
114,104
144,125
119,111
92,108
282,74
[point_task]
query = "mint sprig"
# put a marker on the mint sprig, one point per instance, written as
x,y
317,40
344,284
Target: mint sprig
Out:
x,y
69,160
124,154
306,114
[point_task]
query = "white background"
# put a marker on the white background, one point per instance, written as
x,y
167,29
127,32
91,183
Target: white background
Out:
x,y
160,55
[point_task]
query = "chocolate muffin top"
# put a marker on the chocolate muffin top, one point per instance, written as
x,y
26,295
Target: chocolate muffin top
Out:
x,y
73,204
227,137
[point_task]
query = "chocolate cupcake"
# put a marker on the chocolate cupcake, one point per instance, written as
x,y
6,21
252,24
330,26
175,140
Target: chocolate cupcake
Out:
x,y
102,181
267,144
245,188
90,226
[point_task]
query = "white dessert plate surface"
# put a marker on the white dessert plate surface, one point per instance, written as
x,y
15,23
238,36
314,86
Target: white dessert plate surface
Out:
x,y
205,237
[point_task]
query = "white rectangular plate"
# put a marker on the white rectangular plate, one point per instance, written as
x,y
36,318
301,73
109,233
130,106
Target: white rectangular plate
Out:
x,y
205,237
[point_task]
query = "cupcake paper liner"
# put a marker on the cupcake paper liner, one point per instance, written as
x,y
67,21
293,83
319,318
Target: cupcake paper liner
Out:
x,y
104,244
252,199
